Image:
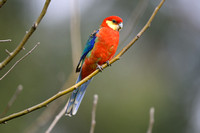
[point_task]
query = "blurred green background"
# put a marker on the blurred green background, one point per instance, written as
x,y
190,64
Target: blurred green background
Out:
x,y
161,70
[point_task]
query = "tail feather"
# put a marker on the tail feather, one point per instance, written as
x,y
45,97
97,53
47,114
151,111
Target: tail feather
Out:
x,y
76,98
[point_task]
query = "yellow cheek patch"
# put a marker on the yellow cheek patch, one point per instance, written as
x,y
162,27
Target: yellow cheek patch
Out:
x,y
112,25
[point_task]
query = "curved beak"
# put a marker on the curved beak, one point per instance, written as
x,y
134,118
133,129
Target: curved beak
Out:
x,y
120,26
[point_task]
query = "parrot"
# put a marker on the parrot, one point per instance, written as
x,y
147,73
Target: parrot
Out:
x,y
99,49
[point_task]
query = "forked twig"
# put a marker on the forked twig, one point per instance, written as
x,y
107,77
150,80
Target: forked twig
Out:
x,y
26,37
29,52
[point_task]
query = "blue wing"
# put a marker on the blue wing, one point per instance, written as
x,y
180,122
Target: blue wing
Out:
x,y
88,47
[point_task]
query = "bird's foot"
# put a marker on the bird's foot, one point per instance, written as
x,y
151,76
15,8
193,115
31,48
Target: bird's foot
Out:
x,y
99,67
108,63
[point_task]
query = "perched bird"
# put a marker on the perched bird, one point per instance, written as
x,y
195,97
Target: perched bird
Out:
x,y
99,49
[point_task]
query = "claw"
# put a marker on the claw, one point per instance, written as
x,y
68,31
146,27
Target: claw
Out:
x,y
99,67
108,63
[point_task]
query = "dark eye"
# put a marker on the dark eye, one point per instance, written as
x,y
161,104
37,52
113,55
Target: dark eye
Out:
x,y
114,21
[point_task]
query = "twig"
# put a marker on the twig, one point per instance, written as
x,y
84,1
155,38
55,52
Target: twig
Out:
x,y
93,122
61,93
26,37
151,119
12,100
57,118
2,2
29,52
8,52
7,40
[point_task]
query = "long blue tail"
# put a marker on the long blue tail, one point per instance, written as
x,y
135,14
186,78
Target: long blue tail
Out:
x,y
76,98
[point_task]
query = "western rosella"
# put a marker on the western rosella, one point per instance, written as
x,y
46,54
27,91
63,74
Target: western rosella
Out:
x,y
99,49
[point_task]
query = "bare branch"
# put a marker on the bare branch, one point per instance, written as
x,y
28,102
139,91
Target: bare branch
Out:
x,y
26,37
29,52
93,122
151,120
12,100
7,40
61,93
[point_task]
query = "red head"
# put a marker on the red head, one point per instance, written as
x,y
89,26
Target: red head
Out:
x,y
113,22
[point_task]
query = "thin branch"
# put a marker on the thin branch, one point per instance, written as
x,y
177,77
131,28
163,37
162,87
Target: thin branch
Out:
x,y
12,100
57,118
93,122
29,52
61,93
8,52
26,37
2,2
151,119
7,40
